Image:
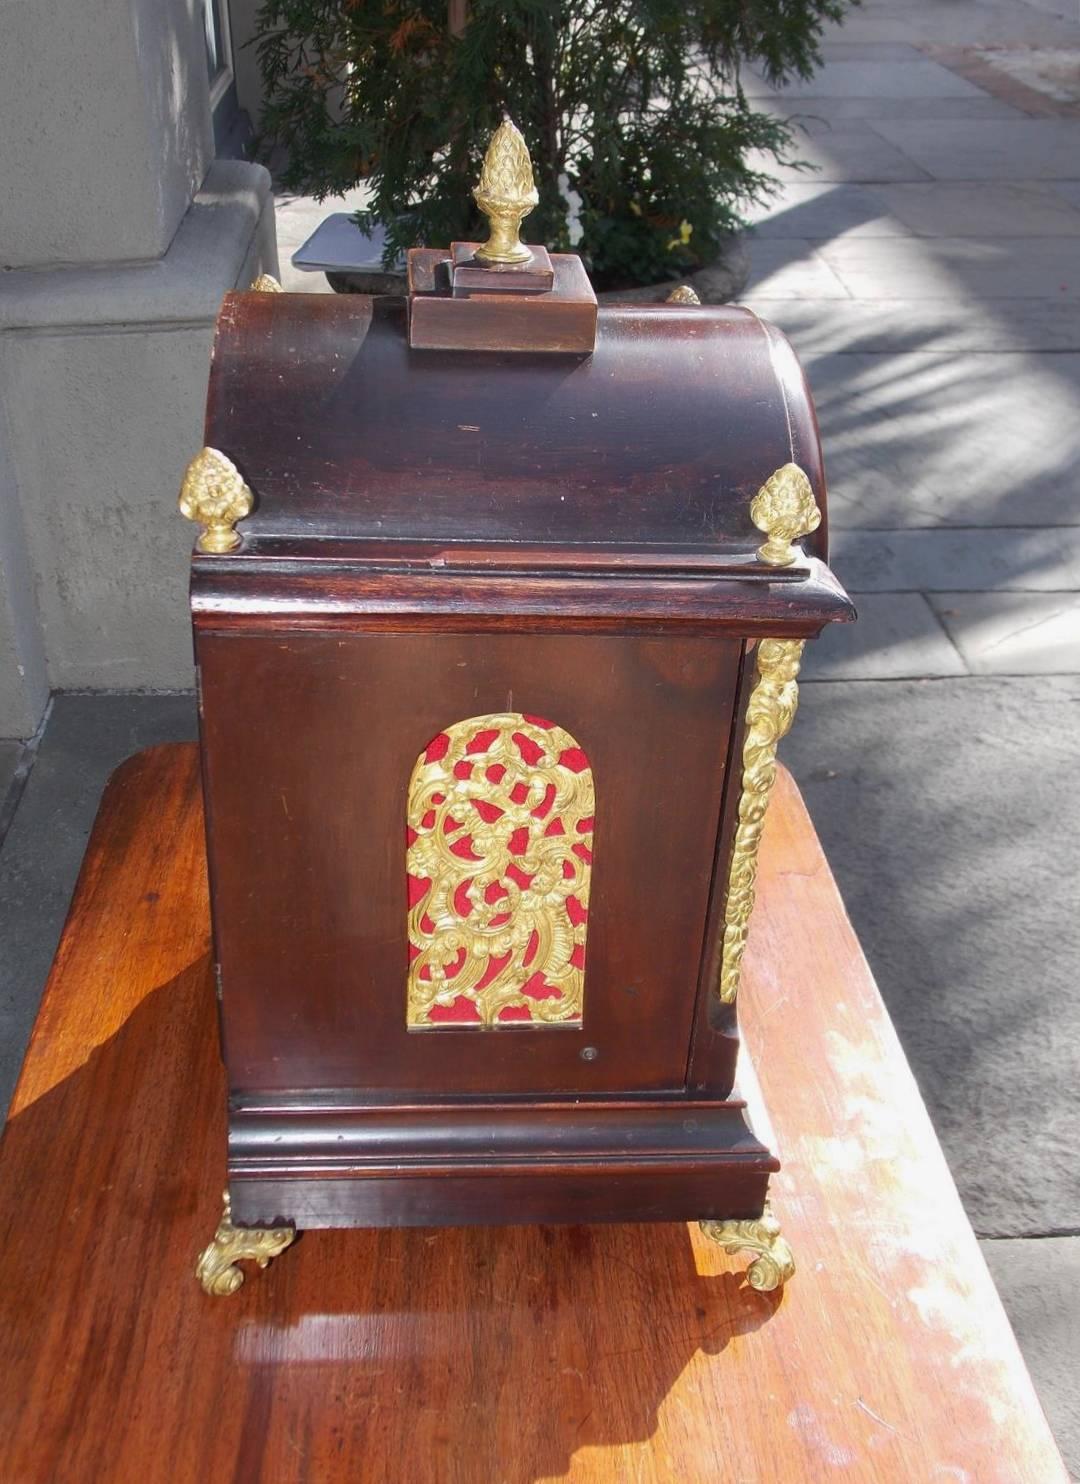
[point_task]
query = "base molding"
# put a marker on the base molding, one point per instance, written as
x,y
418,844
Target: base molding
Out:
x,y
495,1164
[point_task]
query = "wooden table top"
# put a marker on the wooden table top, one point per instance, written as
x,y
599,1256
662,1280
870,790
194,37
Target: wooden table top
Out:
x,y
487,1355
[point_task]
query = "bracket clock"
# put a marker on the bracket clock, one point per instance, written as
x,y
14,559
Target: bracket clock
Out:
x,y
498,608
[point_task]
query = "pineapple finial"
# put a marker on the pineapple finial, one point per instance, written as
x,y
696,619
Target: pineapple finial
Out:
x,y
506,194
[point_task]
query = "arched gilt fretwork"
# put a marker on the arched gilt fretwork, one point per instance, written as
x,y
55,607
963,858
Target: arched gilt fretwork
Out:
x,y
499,855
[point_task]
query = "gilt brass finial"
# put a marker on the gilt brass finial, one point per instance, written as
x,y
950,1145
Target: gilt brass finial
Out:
x,y
266,283
785,509
506,194
214,494
684,294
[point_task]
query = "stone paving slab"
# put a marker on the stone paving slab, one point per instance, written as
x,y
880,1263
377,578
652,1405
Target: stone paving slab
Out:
x,y
791,268
851,78
924,440
839,50
985,209
823,211
983,268
1065,9
1022,149
898,637
845,152
1039,559
1013,633
1057,8
1038,1281
1051,71
824,327
819,115
86,738
1068,190
955,24
943,808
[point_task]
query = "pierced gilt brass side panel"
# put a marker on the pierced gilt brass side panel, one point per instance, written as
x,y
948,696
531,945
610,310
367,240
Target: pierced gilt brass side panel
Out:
x,y
499,856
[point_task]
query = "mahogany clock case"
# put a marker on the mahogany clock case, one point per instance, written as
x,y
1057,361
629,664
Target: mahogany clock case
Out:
x,y
446,535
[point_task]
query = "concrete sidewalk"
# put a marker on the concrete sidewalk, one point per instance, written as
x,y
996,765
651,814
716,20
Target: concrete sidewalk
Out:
x,y
928,272
929,275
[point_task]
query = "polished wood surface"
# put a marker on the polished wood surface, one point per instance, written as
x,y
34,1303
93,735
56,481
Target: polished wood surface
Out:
x,y
661,436
485,1355
469,274
442,534
310,910
471,310
309,866
286,587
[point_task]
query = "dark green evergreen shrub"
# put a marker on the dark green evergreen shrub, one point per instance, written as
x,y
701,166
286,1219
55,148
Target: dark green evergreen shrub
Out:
x,y
633,112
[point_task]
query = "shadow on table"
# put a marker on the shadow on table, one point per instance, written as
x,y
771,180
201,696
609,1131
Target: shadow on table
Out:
x,y
457,1354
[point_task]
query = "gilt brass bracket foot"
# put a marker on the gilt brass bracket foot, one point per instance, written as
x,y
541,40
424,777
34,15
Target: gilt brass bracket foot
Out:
x,y
773,1265
216,1268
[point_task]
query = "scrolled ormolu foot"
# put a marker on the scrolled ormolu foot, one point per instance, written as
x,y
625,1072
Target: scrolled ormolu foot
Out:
x,y
216,1268
773,1265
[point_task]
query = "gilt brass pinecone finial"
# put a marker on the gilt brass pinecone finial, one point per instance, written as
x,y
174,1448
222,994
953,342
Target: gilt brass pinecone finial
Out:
x,y
784,508
506,194
214,494
684,294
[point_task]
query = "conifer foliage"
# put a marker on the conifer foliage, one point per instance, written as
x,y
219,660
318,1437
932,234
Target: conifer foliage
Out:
x,y
644,144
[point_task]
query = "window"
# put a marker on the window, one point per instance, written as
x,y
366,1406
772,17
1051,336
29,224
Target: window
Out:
x,y
218,49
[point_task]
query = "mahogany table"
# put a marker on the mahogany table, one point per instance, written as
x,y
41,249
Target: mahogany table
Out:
x,y
481,1355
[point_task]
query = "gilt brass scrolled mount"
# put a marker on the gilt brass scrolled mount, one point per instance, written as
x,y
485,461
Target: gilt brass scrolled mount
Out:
x,y
216,1268
773,1265
769,716
785,509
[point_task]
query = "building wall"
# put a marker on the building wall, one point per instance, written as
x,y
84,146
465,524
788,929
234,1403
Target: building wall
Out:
x,y
122,233
24,686
106,122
